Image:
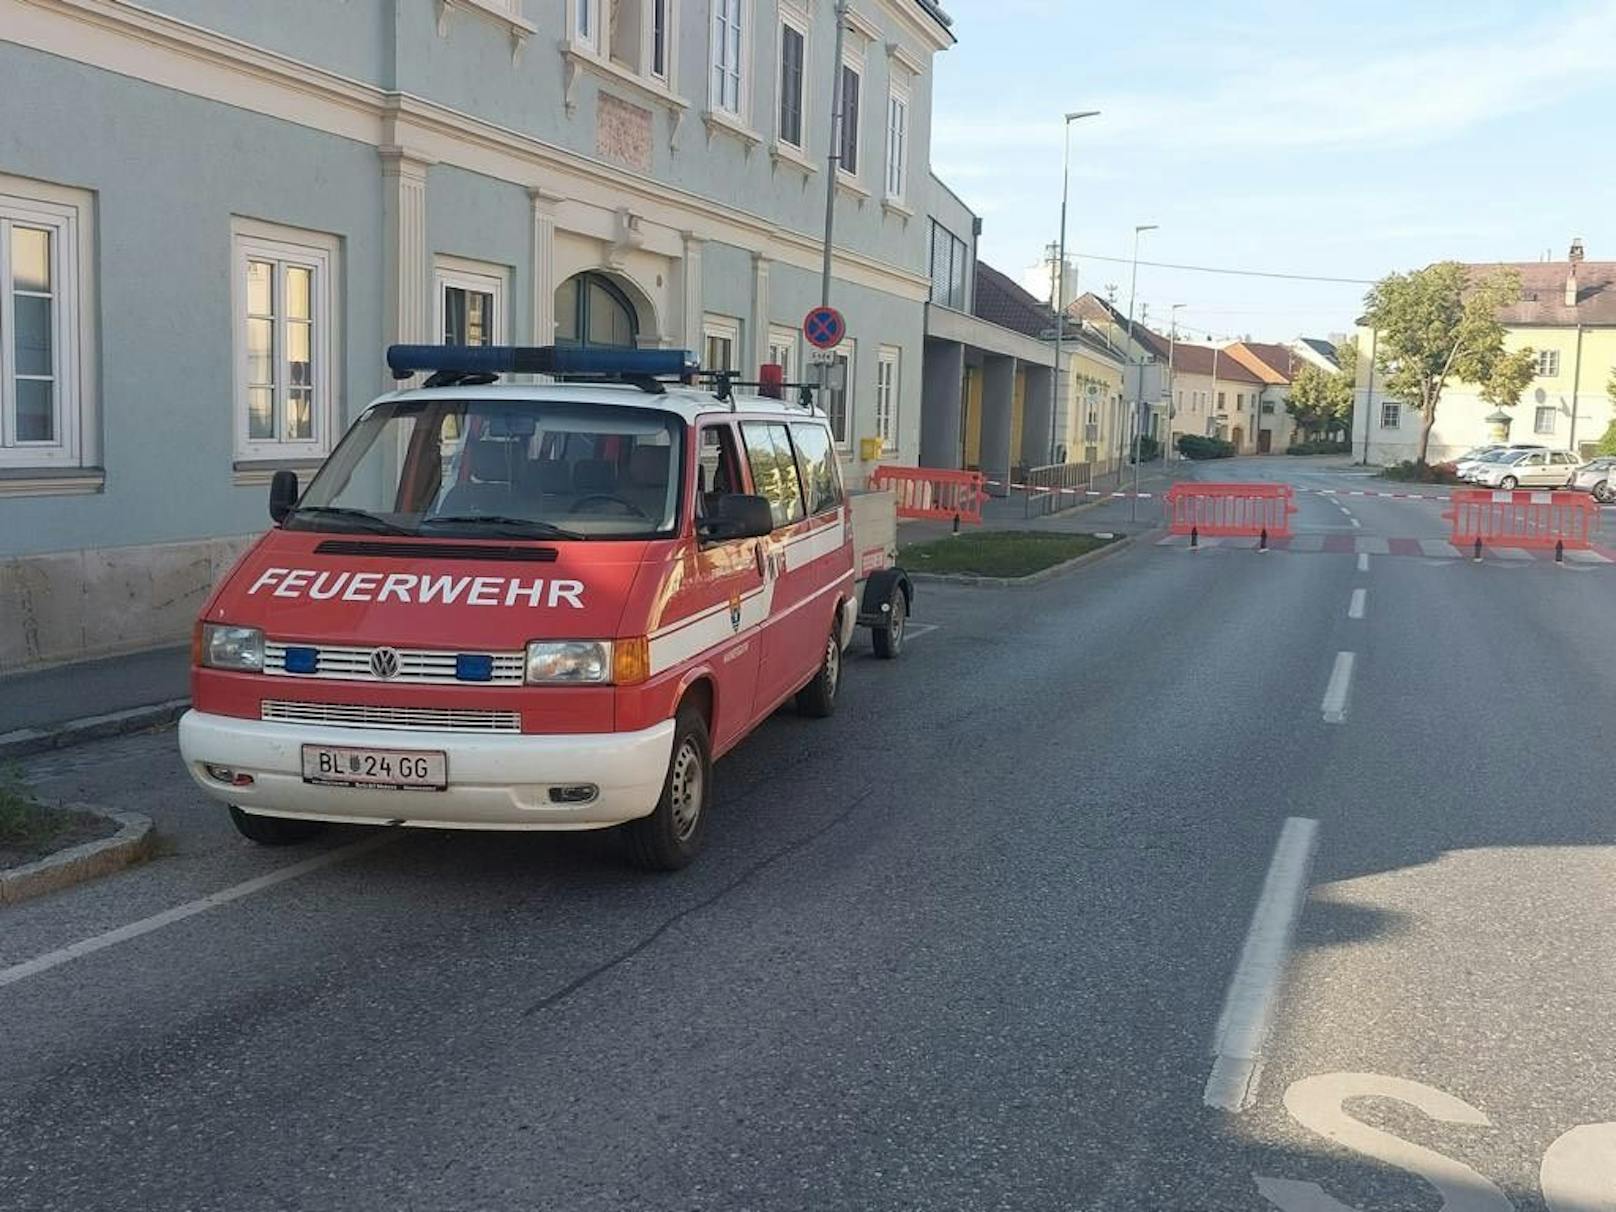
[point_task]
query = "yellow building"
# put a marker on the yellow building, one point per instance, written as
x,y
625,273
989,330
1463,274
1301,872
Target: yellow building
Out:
x,y
1094,410
1567,315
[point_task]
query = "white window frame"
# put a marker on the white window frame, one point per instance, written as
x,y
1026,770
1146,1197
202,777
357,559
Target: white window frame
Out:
x,y
848,349
66,215
251,239
887,389
743,69
897,141
782,337
1545,410
853,61
584,20
795,19
724,328
1394,410
1548,363
465,274
669,40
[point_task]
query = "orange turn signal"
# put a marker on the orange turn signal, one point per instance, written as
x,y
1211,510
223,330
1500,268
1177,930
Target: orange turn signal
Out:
x,y
631,661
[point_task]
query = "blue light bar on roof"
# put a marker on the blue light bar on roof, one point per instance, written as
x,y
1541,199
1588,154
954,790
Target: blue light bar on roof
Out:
x,y
406,360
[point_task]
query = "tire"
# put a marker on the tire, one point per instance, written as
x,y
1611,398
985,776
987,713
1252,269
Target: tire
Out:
x,y
1602,492
818,698
1509,483
887,637
273,830
671,836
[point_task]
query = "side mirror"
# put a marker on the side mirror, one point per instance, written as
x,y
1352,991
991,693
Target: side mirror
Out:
x,y
282,495
738,516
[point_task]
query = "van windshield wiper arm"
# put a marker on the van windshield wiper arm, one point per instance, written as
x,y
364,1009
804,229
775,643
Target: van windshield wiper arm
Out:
x,y
342,513
548,529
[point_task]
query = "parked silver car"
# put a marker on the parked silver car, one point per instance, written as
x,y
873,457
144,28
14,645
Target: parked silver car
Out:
x,y
1528,469
1466,466
1595,477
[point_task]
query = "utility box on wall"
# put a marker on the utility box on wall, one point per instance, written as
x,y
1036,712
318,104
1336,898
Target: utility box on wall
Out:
x,y
869,450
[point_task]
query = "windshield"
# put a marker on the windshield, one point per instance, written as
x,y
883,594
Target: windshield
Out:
x,y
501,467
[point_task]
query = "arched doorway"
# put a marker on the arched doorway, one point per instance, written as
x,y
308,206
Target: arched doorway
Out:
x,y
591,309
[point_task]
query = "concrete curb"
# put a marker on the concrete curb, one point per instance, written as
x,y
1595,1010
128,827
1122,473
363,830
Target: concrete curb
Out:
x,y
21,742
87,861
1036,578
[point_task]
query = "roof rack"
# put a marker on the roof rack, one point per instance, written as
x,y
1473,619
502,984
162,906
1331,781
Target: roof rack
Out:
x,y
470,365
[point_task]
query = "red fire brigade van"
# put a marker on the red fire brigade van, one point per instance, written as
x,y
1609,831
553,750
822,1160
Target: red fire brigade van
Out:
x,y
534,606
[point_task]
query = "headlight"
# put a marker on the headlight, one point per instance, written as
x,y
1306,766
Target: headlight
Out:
x,y
584,662
226,647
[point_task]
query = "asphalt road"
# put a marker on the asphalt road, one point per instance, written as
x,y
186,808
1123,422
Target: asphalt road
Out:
x,y
967,945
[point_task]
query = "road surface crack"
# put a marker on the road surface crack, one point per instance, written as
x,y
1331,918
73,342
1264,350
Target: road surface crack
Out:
x,y
801,843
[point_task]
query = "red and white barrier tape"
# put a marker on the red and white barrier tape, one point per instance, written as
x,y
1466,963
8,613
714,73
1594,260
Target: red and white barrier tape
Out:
x,y
1043,491
1070,492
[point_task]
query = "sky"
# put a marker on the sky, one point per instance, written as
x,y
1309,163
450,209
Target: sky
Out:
x,y
1310,137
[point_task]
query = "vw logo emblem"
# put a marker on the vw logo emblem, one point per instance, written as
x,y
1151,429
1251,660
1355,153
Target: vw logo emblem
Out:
x,y
384,663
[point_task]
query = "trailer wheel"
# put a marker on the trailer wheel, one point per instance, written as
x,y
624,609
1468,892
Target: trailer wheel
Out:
x,y
887,635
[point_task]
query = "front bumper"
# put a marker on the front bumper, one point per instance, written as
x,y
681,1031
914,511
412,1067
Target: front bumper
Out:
x,y
495,782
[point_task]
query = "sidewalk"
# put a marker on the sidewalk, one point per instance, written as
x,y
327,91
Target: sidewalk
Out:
x,y
46,698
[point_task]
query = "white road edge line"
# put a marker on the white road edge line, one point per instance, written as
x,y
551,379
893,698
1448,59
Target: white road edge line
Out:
x,y
1248,1007
1334,705
1363,561
123,934
1355,608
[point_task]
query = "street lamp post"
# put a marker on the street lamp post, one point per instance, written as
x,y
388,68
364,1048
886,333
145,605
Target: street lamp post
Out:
x,y
1057,297
1172,358
1139,382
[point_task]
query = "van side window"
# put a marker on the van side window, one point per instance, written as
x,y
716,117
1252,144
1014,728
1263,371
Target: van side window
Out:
x,y
718,470
774,470
821,475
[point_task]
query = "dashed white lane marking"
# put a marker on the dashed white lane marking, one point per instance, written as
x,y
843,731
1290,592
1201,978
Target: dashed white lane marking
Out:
x,y
1363,561
1334,705
915,630
1355,608
1248,1007
123,934
1355,522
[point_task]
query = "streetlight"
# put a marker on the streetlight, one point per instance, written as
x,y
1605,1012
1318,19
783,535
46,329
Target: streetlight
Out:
x,y
1172,355
1057,297
1139,389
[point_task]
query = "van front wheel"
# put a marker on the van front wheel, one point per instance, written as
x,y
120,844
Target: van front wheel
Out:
x,y
671,836
818,697
273,830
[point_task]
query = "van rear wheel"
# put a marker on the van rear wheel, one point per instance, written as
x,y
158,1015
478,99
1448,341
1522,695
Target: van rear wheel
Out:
x,y
273,830
672,835
818,697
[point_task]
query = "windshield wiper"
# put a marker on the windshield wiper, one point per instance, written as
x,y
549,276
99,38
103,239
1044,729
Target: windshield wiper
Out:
x,y
533,525
369,520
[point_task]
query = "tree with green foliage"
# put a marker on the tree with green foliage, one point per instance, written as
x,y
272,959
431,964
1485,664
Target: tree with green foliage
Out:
x,y
1607,440
1438,324
1320,401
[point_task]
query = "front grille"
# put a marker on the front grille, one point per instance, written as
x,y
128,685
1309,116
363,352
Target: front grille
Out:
x,y
401,719
400,550
417,666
